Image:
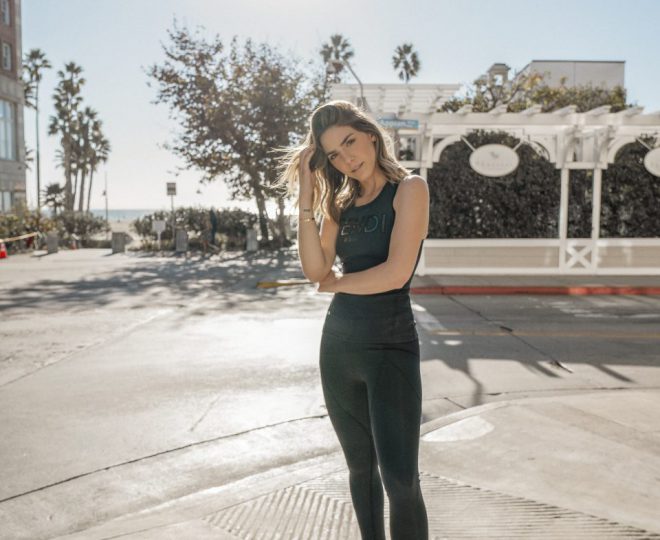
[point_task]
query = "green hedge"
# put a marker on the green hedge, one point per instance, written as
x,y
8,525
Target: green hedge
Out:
x,y
232,225
464,204
631,196
67,224
525,203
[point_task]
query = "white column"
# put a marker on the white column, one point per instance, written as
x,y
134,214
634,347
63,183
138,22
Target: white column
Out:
x,y
595,216
563,218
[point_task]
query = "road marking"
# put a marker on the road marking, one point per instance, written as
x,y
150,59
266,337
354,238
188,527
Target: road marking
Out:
x,y
604,334
426,319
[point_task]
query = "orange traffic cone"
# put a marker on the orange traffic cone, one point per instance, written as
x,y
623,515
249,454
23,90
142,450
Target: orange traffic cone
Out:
x,y
3,250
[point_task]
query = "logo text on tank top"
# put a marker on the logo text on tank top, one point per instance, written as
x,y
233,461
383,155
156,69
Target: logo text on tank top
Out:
x,y
352,226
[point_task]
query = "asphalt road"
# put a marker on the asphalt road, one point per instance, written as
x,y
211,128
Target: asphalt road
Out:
x,y
127,381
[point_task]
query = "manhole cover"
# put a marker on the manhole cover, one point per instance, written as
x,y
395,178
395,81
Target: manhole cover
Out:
x,y
322,509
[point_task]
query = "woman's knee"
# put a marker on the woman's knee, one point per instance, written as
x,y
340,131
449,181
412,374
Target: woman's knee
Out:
x,y
360,461
401,485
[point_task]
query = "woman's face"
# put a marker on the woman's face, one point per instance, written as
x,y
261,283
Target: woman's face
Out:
x,y
350,151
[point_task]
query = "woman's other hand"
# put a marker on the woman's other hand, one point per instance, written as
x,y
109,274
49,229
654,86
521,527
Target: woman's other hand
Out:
x,y
328,283
305,173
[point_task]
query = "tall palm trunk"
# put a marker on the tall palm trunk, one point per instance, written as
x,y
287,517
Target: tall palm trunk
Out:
x,y
82,188
89,192
75,189
68,191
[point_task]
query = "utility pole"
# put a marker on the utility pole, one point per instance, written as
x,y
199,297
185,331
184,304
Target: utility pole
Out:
x,y
334,66
37,156
105,194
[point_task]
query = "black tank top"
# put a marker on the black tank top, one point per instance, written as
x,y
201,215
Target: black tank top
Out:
x,y
363,241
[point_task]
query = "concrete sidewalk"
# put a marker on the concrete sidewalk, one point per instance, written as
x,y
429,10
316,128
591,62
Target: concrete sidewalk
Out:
x,y
534,284
574,466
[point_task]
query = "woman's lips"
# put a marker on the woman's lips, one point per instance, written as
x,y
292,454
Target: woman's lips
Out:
x,y
356,168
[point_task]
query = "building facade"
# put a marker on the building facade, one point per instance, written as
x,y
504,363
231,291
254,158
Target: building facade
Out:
x,y
12,143
601,73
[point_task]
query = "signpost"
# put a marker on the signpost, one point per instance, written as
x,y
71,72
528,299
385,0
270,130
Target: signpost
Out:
x,y
158,227
171,191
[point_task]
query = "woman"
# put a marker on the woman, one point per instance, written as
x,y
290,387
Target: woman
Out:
x,y
374,218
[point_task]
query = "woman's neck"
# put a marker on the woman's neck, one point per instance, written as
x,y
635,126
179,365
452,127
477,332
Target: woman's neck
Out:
x,y
372,185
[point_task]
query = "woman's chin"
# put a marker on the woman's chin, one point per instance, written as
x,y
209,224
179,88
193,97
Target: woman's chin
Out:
x,y
359,174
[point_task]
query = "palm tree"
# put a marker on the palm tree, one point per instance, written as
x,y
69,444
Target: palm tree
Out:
x,y
67,100
86,120
336,52
29,158
34,63
99,153
54,196
406,61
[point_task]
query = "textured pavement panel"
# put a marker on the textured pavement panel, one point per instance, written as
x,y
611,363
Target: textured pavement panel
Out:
x,y
321,509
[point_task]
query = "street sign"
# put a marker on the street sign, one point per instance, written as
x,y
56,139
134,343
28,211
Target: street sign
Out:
x,y
399,123
171,188
158,226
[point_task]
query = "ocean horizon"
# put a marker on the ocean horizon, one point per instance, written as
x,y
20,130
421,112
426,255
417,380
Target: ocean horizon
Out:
x,y
125,214
130,214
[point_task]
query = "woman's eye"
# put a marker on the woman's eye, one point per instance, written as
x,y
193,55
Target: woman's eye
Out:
x,y
351,141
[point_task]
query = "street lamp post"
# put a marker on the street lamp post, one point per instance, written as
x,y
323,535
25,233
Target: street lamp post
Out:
x,y
333,67
105,194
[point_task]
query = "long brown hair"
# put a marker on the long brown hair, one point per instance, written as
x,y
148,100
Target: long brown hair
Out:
x,y
334,191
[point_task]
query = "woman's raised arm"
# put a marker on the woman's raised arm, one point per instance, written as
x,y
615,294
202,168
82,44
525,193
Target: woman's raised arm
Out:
x,y
316,251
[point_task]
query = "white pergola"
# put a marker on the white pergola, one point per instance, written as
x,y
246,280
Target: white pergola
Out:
x,y
568,139
398,99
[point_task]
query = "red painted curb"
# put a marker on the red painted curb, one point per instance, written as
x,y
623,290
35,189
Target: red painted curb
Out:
x,y
535,290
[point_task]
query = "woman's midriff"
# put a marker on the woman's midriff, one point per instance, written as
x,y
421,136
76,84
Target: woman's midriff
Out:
x,y
371,318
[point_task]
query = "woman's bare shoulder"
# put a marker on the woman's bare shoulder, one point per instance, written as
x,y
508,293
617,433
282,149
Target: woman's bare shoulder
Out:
x,y
412,184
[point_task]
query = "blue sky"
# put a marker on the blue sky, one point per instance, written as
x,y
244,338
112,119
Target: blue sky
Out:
x,y
457,40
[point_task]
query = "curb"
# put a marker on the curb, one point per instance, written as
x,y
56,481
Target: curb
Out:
x,y
536,290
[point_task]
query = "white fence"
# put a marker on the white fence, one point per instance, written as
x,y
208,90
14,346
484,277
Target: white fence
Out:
x,y
585,256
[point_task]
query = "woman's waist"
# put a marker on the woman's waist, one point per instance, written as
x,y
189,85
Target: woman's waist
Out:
x,y
368,327
356,306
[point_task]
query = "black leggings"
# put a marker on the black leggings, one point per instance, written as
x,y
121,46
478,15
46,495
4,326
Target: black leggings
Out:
x,y
373,394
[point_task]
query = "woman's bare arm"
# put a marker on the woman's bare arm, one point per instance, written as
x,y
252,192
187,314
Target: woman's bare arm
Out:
x,y
316,250
410,228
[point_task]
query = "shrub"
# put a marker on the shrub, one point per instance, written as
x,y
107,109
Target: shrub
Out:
x,y
79,224
232,226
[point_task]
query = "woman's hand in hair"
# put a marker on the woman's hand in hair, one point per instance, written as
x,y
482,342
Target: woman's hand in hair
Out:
x,y
327,284
305,173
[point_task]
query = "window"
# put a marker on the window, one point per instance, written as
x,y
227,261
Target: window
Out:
x,y
6,16
7,130
6,56
5,201
408,149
